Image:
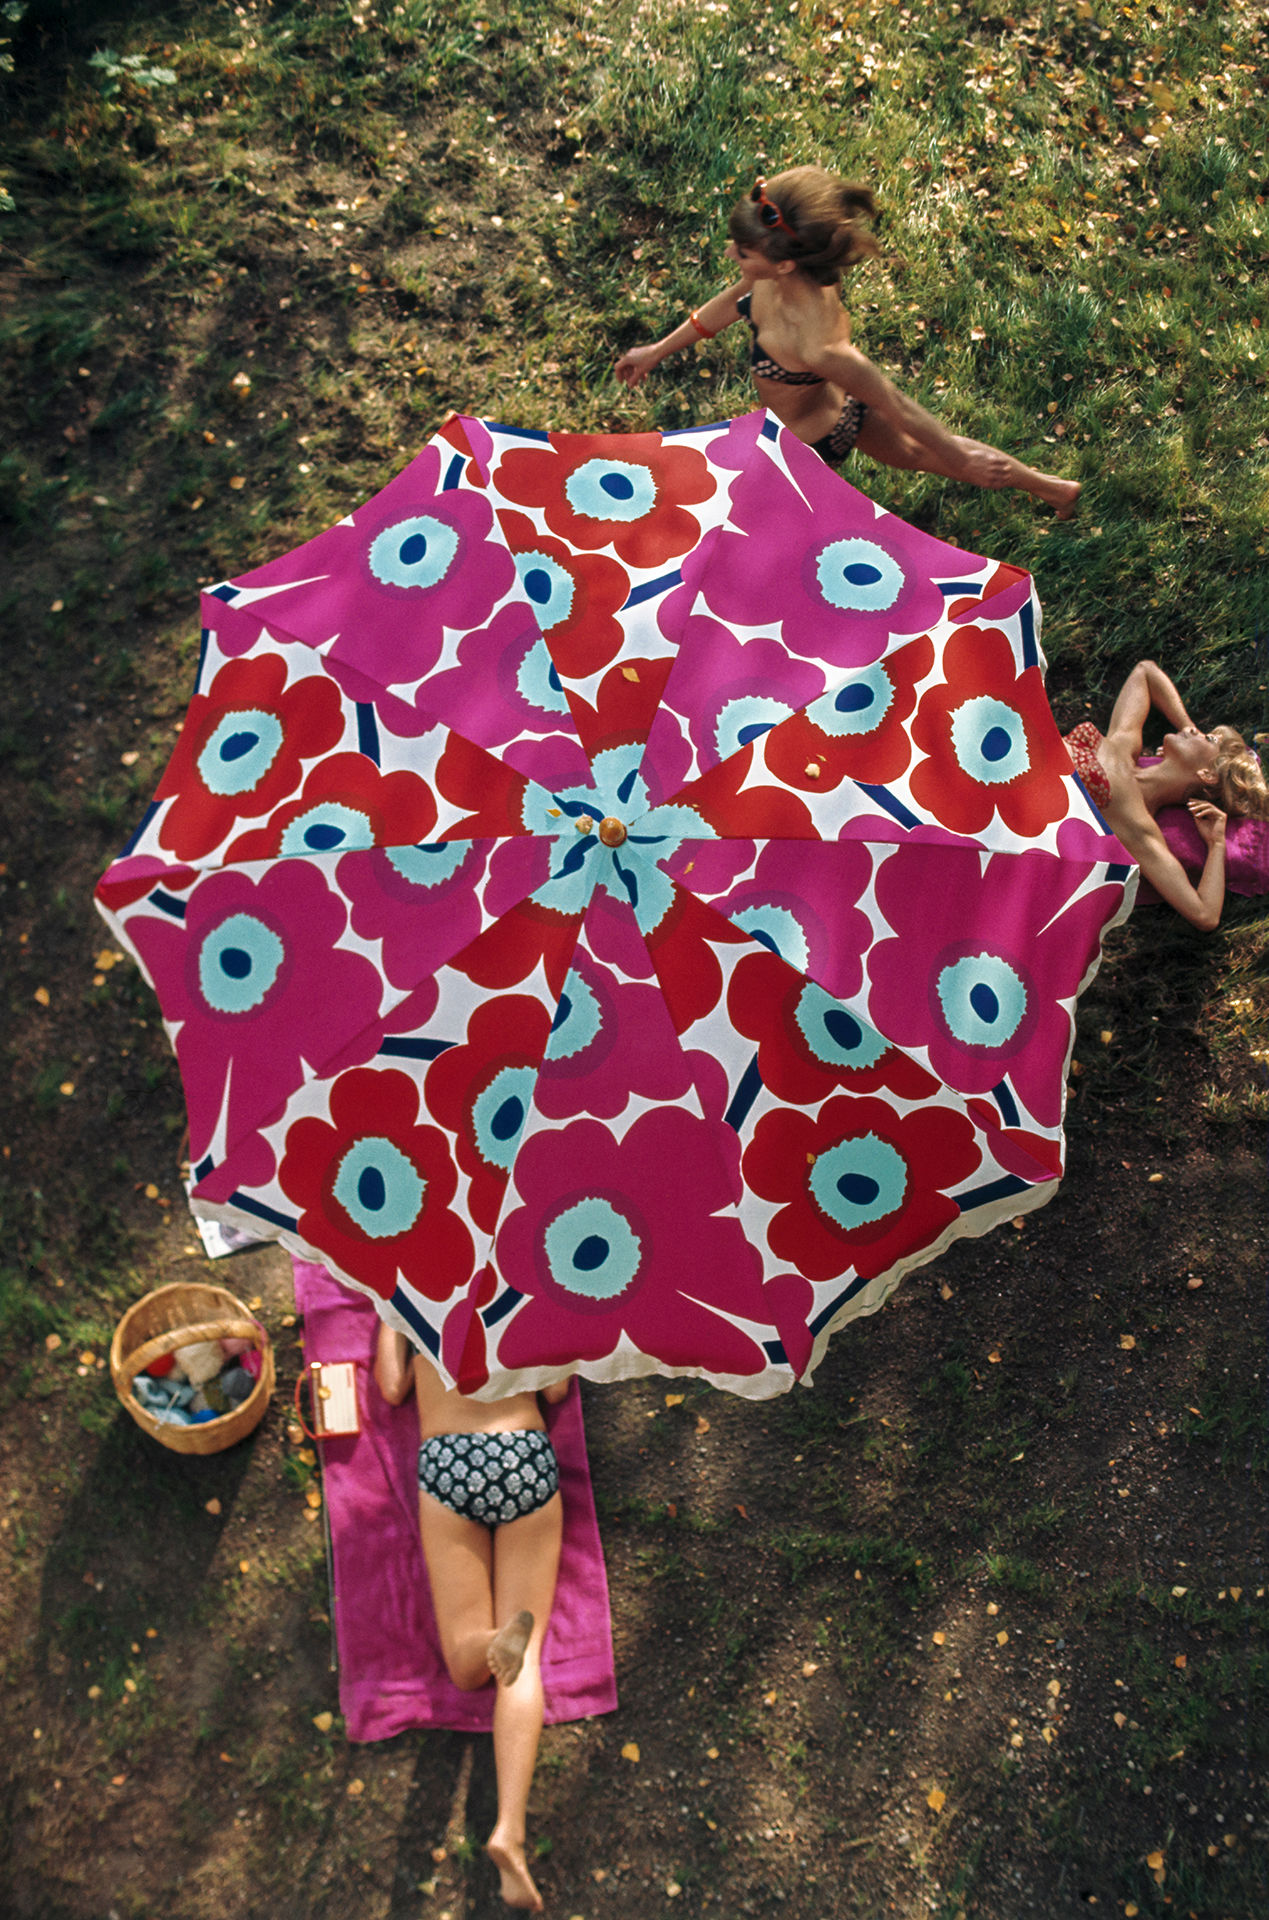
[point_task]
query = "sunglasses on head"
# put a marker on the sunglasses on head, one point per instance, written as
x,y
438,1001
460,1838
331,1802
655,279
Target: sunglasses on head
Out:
x,y
768,212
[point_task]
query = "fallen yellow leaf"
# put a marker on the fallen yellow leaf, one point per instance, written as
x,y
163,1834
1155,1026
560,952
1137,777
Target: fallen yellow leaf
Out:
x,y
675,1399
630,1751
237,483
939,1639
936,1799
355,1789
244,1566
52,1342
1153,1178
42,996
702,1424
212,1506
1127,1341
992,1607
130,758
1055,1687
323,1722
312,1497
1154,1861
1106,1036
1002,1637
809,1667
994,1357
1181,1661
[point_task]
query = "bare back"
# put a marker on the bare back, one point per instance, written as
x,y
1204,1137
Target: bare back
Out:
x,y
443,1410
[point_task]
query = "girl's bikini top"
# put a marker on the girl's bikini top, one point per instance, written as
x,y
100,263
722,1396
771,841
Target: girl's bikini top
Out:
x,y
763,365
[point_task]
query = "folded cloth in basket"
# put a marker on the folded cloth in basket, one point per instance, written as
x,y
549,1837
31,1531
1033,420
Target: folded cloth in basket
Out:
x,y
391,1674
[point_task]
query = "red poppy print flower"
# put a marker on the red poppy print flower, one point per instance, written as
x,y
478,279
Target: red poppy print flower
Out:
x,y
482,1091
628,491
346,803
242,749
858,1185
467,776
575,597
992,743
857,730
130,879
373,1187
810,1045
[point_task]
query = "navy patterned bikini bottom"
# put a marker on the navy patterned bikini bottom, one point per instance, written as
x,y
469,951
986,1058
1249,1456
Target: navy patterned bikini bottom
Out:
x,y
489,1477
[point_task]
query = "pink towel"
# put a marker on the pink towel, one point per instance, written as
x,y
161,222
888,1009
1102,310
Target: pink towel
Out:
x,y
1246,849
391,1674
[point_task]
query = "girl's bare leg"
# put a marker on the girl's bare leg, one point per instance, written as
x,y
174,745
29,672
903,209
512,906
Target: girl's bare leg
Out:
x,y
526,1555
459,1556
992,469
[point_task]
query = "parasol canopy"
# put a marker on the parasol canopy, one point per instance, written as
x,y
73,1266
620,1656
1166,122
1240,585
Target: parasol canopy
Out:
x,y
620,901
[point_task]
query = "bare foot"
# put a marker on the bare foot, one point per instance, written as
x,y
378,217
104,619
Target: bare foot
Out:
x,y
506,1651
518,1889
1064,497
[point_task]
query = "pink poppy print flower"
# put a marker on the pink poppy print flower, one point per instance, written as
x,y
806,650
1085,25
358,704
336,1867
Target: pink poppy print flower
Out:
x,y
628,491
801,902
482,1090
242,749
991,741
980,963
345,803
595,1261
858,1185
816,561
422,556
730,692
857,730
810,1045
257,985
609,1040
422,902
575,597
374,1184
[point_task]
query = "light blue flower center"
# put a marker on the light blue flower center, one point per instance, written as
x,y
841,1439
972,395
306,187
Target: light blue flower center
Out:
x,y
242,748
499,1113
329,827
414,553
858,1182
611,490
538,682
380,1190
858,576
549,588
592,1250
989,740
744,719
238,963
431,863
858,706
983,1000
832,1033
778,929
578,1019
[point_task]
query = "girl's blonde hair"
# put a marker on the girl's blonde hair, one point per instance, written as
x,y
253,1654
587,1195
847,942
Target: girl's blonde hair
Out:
x,y
1239,784
821,215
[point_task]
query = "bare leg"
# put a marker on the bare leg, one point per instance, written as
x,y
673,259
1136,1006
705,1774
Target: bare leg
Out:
x,y
525,1562
459,1556
995,470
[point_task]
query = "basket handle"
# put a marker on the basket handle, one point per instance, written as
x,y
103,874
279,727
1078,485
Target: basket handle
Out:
x,y
140,1357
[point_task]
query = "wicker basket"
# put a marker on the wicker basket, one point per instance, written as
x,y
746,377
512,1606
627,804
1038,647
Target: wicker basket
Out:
x,y
180,1316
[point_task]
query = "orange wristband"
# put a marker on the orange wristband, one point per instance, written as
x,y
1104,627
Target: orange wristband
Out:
x,y
703,331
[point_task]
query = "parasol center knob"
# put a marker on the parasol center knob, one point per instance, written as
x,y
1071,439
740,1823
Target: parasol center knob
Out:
x,y
612,831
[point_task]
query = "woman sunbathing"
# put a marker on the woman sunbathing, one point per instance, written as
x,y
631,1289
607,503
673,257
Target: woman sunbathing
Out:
x,y
491,1523
1215,774
792,239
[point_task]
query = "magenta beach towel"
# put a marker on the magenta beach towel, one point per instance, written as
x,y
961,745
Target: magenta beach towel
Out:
x,y
391,1674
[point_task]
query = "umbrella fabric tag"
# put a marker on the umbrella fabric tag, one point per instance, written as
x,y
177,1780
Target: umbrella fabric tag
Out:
x,y
333,1385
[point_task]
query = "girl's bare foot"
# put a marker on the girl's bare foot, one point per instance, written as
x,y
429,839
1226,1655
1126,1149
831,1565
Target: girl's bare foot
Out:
x,y
1063,496
518,1889
506,1653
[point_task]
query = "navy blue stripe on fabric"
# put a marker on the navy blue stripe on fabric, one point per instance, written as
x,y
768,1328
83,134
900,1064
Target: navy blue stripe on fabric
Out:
x,y
1005,1101
883,798
1118,873
825,1314
167,903
774,1350
203,639
427,1335
416,1049
949,587
1030,652
747,1091
146,818
204,1167
367,731
224,592
517,433
998,1190
687,433
501,1307
261,1212
771,430
1079,781
453,473
651,588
